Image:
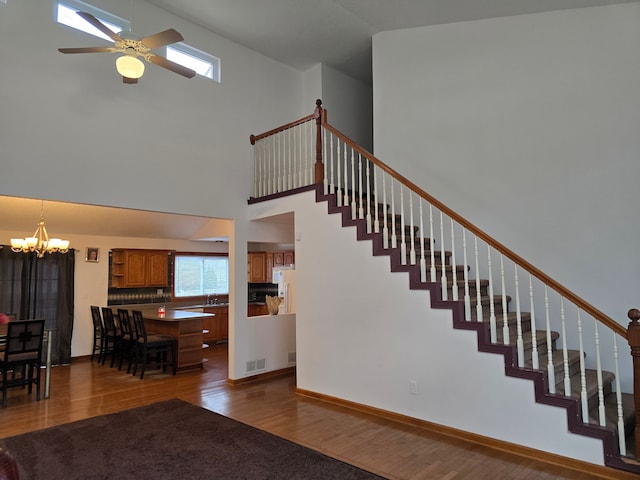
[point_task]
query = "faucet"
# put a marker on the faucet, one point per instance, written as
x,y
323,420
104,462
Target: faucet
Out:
x,y
208,299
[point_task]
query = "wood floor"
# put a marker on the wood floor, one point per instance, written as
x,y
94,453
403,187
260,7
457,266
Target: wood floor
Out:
x,y
395,451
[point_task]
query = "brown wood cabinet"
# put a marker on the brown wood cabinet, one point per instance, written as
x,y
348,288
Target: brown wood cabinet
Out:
x,y
260,264
131,268
186,327
289,257
256,309
218,326
257,267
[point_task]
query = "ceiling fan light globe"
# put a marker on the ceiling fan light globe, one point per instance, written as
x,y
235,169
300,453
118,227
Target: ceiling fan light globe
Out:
x,y
129,66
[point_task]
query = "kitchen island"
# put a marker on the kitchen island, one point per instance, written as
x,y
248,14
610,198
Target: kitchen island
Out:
x,y
186,327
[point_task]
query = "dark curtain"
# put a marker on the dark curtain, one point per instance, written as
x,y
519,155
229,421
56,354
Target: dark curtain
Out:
x,y
34,287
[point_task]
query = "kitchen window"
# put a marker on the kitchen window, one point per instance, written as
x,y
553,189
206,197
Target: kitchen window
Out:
x,y
201,274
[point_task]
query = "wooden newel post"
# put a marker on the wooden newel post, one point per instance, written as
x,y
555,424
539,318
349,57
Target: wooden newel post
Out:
x,y
319,166
633,337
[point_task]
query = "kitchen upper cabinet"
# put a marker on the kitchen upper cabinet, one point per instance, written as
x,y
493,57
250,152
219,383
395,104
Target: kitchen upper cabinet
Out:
x,y
158,269
289,257
139,268
257,267
260,264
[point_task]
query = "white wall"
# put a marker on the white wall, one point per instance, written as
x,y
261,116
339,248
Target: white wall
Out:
x,y
362,336
349,102
70,130
349,105
527,126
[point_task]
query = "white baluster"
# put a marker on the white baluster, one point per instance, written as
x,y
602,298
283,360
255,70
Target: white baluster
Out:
x,y
601,412
385,228
622,443
443,267
301,152
432,246
274,171
332,186
376,199
368,217
290,172
412,239
353,185
262,153
346,177
583,375
479,314
551,370
280,158
339,169
403,241
256,178
361,206
535,361
565,353
520,341
394,239
423,261
492,309
505,316
454,270
467,296
306,154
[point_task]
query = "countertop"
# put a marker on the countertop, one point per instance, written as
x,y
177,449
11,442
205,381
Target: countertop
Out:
x,y
173,315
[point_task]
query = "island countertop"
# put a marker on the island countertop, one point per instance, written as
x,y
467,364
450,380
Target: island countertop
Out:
x,y
173,315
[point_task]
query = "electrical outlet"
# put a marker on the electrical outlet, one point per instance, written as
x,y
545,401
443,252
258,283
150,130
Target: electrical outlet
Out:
x,y
413,387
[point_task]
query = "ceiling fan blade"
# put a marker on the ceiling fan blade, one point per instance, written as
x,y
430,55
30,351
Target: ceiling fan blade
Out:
x,y
100,26
130,81
161,39
86,50
169,65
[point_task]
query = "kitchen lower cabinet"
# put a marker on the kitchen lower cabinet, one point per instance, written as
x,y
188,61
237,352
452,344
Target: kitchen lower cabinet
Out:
x,y
218,326
185,327
256,309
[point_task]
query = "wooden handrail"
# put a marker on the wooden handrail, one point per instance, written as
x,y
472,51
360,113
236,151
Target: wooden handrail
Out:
x,y
539,274
254,138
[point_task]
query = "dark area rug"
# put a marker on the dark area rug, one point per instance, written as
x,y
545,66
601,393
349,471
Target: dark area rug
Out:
x,y
168,440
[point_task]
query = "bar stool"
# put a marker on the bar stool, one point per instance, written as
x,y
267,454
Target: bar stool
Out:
x,y
152,344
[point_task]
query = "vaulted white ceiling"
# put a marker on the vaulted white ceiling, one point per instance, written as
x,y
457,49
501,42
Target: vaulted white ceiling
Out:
x,y
301,33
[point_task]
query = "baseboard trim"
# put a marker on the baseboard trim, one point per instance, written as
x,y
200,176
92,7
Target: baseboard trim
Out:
x,y
262,376
522,451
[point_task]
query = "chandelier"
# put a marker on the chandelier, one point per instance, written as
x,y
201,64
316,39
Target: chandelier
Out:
x,y
40,243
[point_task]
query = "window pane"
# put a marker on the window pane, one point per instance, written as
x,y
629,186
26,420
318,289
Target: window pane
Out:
x,y
67,16
201,275
200,62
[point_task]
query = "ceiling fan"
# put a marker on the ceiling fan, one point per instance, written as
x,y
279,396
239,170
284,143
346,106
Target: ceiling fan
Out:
x,y
129,65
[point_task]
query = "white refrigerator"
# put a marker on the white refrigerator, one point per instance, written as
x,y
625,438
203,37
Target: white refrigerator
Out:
x,y
285,277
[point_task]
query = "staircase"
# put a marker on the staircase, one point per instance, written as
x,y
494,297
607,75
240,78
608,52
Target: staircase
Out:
x,y
464,271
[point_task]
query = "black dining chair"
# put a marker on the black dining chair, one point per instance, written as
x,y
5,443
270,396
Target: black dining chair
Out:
x,y
113,338
21,359
152,346
128,341
98,333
